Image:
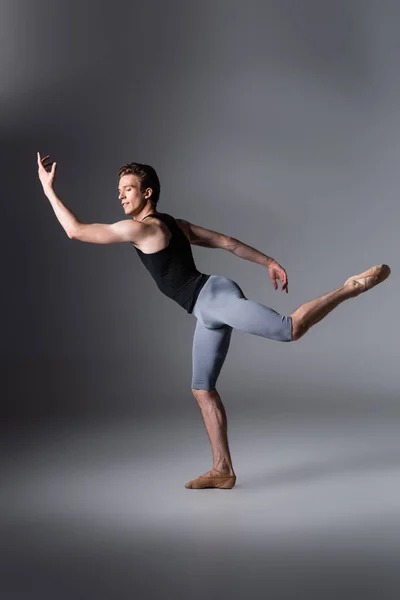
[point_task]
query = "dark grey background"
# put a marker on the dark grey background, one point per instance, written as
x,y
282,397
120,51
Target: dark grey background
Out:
x,y
274,122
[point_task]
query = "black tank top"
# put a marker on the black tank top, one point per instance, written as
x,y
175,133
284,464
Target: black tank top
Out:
x,y
173,268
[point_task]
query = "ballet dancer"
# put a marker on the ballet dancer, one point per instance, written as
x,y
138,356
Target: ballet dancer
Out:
x,y
163,244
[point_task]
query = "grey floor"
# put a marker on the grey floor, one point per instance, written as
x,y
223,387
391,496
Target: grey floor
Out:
x,y
100,510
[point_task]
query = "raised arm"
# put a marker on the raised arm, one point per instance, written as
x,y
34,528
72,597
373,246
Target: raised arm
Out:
x,y
96,233
199,236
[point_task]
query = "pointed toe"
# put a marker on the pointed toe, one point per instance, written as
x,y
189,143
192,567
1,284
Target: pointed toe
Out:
x,y
369,279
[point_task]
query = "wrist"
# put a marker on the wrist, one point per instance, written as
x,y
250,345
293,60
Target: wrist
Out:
x,y
48,190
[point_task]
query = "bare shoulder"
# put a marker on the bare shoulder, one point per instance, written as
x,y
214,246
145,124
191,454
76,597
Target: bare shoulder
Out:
x,y
134,231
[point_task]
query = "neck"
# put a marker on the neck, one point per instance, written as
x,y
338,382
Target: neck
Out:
x,y
145,213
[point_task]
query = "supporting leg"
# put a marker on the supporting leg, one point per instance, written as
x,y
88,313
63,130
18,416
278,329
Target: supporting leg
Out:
x,y
215,420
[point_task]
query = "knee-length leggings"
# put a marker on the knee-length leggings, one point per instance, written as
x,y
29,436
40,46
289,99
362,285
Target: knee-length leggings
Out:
x,y
221,307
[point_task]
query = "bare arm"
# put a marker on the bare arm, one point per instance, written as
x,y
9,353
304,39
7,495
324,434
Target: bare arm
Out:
x,y
275,270
200,236
240,249
66,218
96,233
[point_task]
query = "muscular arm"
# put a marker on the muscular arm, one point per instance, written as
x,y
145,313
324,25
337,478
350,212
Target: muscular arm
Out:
x,y
248,253
212,239
96,233
199,236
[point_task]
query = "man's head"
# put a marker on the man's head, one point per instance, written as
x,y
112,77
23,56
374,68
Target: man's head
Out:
x,y
138,184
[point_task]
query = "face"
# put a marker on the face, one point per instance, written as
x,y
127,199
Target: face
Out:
x,y
132,199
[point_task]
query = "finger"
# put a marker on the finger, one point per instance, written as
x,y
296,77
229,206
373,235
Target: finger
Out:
x,y
53,168
41,161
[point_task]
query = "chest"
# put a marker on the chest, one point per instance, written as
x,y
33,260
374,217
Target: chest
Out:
x,y
158,238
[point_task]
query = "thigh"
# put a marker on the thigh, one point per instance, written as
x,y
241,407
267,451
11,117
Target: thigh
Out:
x,y
223,303
258,319
229,306
210,347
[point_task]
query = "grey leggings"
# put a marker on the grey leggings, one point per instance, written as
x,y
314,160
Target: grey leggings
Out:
x,y
220,307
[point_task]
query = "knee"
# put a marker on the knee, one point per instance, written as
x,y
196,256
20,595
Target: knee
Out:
x,y
297,335
289,331
203,397
199,392
298,330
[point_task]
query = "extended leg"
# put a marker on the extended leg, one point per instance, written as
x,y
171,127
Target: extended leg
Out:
x,y
312,312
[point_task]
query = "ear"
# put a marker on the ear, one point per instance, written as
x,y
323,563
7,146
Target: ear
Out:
x,y
148,193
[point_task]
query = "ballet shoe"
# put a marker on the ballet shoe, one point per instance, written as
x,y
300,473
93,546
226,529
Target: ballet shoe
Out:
x,y
367,280
221,481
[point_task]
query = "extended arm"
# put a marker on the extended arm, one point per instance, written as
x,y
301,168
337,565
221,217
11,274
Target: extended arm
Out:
x,y
66,218
275,270
96,233
200,236
246,252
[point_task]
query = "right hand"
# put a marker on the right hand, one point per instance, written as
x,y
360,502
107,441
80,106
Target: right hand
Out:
x,y
46,177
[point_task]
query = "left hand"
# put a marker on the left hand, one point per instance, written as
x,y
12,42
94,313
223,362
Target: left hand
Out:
x,y
276,272
46,176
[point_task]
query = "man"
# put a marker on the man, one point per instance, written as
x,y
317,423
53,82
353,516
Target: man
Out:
x,y
218,303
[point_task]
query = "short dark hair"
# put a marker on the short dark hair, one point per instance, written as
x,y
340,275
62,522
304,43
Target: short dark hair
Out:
x,y
147,176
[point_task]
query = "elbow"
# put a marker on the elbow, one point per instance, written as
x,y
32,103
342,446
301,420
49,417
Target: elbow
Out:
x,y
231,243
73,234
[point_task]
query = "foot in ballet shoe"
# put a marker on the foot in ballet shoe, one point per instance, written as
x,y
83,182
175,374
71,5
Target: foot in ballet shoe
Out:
x,y
367,280
212,479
